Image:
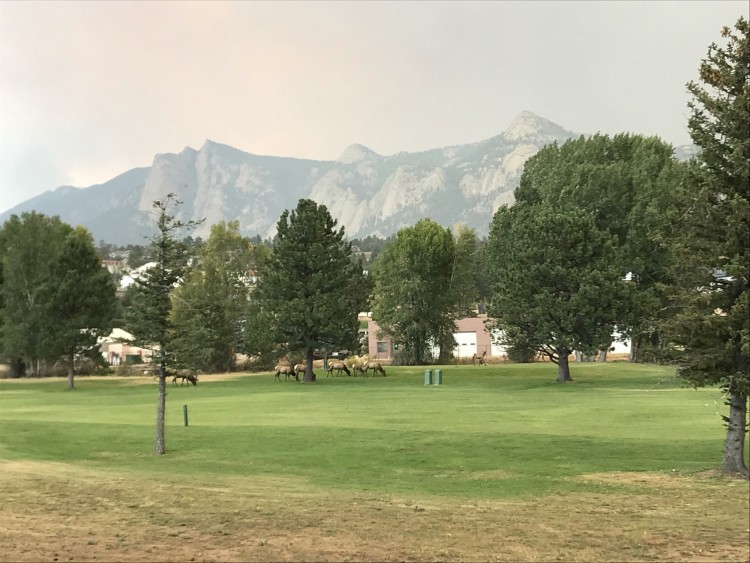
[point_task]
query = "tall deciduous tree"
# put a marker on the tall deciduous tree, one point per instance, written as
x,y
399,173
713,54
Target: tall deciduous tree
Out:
x,y
210,306
466,271
310,288
81,296
556,283
711,237
413,301
149,316
29,246
625,182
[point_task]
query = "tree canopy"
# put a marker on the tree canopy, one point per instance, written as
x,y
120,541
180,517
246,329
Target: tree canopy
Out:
x,y
625,182
413,300
55,296
149,318
210,305
710,237
29,246
82,298
310,289
557,286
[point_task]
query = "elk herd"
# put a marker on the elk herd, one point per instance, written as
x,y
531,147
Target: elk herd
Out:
x,y
356,365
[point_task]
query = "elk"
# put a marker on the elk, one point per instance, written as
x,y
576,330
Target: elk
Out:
x,y
339,367
287,370
374,366
479,358
184,375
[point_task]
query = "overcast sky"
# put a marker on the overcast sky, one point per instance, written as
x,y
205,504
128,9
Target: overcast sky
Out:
x,y
91,89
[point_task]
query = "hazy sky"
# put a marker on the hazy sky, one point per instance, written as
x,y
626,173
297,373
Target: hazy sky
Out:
x,y
91,89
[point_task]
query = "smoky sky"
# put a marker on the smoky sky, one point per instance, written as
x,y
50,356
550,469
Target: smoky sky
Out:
x,y
91,89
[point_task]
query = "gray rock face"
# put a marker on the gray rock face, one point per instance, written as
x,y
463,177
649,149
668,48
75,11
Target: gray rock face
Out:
x,y
367,193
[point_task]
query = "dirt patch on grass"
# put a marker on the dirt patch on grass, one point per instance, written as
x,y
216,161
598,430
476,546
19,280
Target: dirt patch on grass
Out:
x,y
131,379
61,512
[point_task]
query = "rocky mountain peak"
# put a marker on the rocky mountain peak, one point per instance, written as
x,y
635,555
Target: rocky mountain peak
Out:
x,y
366,193
528,125
356,153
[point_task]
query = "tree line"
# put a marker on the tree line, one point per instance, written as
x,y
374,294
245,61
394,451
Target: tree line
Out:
x,y
607,234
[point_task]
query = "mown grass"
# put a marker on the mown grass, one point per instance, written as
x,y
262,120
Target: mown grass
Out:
x,y
488,432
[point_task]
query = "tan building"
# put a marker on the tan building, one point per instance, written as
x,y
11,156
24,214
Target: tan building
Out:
x,y
472,337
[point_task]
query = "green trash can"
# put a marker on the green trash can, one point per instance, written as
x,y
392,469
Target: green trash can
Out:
x,y
427,377
438,377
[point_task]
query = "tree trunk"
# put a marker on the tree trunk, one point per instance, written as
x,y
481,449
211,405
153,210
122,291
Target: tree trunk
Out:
x,y
635,347
309,375
734,447
563,367
160,448
602,356
71,358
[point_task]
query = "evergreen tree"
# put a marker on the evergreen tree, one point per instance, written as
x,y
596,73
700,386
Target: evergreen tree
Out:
x,y
310,288
149,316
413,301
711,238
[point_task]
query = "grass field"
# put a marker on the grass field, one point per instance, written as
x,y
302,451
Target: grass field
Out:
x,y
497,464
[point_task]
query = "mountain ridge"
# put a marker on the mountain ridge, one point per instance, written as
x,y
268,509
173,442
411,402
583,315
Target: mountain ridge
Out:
x,y
367,193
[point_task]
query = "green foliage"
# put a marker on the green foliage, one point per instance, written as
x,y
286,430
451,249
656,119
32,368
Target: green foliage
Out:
x,y
30,245
309,288
149,318
519,348
414,302
557,284
210,305
55,296
138,256
710,237
625,182
82,298
465,273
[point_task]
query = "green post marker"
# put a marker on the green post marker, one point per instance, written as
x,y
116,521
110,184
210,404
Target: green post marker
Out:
x,y
427,377
184,414
438,377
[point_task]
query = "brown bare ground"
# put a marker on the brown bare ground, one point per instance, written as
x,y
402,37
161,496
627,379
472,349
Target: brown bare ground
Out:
x,y
62,512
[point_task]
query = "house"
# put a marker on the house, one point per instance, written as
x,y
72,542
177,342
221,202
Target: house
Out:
x,y
472,337
117,349
114,265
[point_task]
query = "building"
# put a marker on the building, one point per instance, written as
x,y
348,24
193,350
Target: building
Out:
x,y
472,337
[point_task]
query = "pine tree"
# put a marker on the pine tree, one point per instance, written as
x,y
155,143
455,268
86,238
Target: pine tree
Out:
x,y
710,238
310,287
149,316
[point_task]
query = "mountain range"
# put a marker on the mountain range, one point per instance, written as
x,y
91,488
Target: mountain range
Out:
x,y
367,193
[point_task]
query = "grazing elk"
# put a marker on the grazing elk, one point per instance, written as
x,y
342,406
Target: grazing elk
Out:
x,y
184,375
287,370
374,366
479,358
339,367
359,368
